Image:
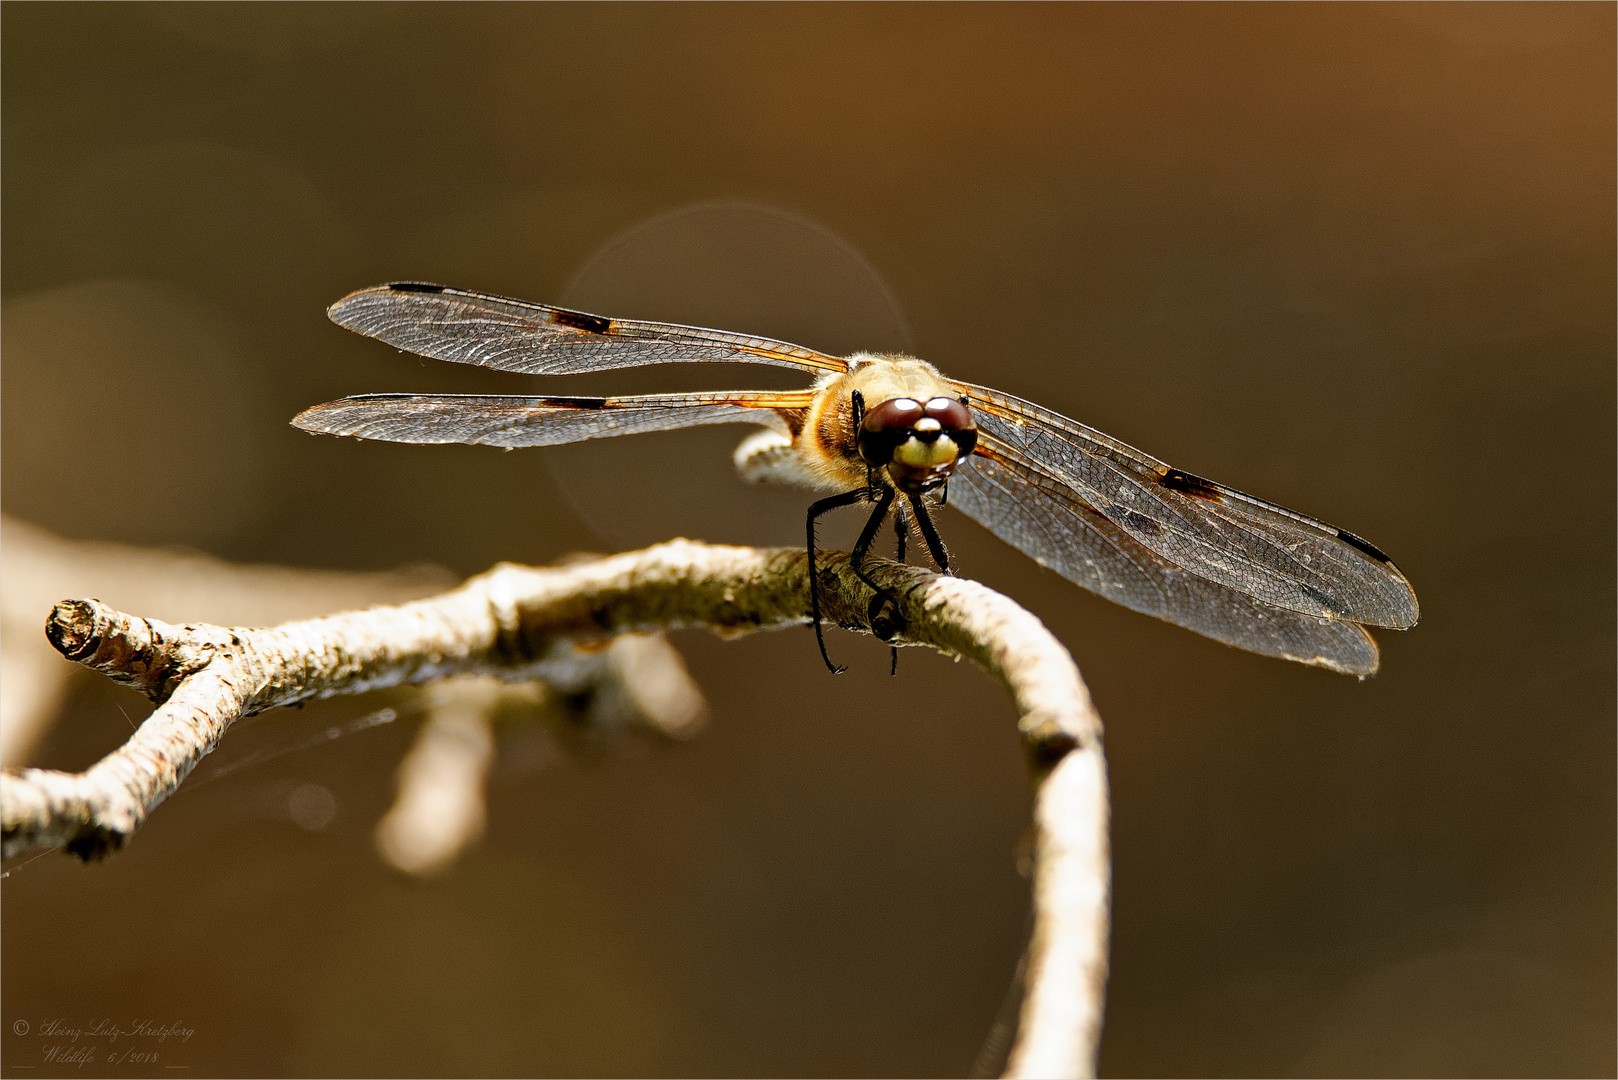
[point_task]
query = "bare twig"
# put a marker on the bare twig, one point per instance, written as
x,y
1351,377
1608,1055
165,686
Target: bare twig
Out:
x,y
638,682
518,623
39,568
1060,1026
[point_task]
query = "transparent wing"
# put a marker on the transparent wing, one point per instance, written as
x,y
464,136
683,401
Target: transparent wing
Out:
x,y
542,421
1253,547
1041,516
535,339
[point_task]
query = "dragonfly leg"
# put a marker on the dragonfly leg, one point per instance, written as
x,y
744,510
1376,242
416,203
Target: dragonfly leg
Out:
x,y
859,418
935,546
884,598
847,498
901,532
862,546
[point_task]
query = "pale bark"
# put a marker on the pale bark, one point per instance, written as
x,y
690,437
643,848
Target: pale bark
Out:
x,y
38,568
517,623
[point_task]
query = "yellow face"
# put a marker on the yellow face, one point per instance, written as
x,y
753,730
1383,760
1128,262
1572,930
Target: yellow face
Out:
x,y
910,424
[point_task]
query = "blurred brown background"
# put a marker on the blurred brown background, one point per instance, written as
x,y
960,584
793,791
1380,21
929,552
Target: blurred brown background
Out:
x,y
1358,259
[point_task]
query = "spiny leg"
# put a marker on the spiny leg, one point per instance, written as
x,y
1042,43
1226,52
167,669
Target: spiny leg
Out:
x,y
862,546
847,498
935,546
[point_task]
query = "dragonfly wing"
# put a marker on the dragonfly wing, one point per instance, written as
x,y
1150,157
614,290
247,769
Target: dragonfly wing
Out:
x,y
1040,516
542,421
1256,548
536,339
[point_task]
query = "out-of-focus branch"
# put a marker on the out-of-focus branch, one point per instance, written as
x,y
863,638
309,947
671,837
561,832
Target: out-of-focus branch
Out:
x,y
636,682
518,623
439,809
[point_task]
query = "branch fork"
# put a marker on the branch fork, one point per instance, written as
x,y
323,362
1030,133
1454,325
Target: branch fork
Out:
x,y
522,624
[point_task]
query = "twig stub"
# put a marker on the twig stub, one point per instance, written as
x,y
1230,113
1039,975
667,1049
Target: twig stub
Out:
x,y
149,656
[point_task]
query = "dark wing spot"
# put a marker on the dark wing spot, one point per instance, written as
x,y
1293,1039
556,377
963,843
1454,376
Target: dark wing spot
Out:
x,y
578,320
578,402
1189,484
414,286
1322,599
1363,545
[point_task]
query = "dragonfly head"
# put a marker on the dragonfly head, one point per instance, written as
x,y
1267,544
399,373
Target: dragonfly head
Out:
x,y
918,443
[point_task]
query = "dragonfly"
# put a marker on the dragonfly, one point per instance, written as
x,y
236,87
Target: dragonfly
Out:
x,y
894,433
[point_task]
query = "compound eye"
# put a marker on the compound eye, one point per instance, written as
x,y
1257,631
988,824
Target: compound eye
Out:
x,y
886,426
893,414
950,413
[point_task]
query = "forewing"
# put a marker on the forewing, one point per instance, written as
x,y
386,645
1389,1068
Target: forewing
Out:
x,y
1253,547
536,339
541,421
1040,516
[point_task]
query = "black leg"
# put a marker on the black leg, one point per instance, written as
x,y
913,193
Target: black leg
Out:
x,y
935,546
847,498
862,546
859,418
901,532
